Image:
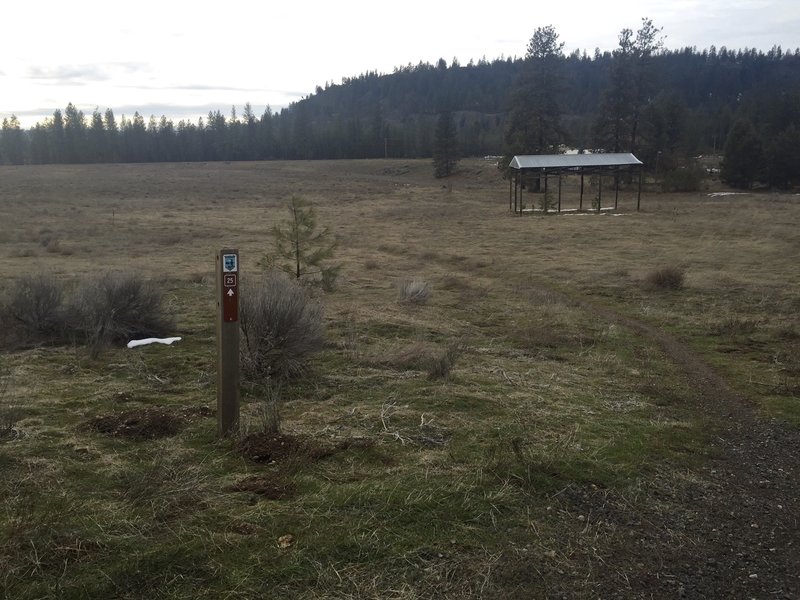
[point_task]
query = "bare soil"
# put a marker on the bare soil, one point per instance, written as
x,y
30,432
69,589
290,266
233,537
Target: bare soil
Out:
x,y
272,448
138,424
268,487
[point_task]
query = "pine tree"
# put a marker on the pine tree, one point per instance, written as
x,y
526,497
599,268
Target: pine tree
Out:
x,y
744,157
618,122
783,158
445,149
302,246
534,120
13,142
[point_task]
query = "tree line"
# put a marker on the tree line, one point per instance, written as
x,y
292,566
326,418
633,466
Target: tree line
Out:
x,y
664,105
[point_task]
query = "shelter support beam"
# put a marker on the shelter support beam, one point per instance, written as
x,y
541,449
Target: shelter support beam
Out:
x,y
639,194
559,192
599,191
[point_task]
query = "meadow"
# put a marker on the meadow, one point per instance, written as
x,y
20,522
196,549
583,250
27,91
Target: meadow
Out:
x,y
595,436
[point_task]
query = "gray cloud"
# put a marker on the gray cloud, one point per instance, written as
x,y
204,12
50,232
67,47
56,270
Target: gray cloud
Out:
x,y
82,74
207,87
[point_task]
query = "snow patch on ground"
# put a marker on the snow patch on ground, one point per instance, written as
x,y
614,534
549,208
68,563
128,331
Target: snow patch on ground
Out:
x,y
719,194
147,341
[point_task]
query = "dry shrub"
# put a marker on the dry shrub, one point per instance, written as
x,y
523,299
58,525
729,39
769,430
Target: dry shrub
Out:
x,y
111,309
281,328
114,309
442,364
414,356
9,414
413,291
665,278
33,312
267,418
420,356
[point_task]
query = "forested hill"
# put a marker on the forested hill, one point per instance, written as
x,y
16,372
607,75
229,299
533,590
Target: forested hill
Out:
x,y
695,94
692,100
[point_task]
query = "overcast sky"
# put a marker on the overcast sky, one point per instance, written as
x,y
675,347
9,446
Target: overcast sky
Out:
x,y
182,59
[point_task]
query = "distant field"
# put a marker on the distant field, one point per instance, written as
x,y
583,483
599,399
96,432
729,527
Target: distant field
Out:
x,y
572,452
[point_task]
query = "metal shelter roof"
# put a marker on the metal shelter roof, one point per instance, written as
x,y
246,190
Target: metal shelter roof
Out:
x,y
574,161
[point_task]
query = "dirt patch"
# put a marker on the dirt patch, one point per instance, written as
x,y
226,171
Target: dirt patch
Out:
x,y
269,448
200,411
140,424
268,487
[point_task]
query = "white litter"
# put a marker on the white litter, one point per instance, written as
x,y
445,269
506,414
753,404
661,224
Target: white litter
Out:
x,y
147,341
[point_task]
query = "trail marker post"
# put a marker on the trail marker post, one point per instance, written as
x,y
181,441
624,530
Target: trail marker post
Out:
x,y
227,341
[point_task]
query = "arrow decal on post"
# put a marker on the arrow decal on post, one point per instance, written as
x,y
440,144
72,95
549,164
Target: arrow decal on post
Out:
x,y
230,293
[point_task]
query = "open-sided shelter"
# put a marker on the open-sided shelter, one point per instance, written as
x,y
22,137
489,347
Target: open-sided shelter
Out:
x,y
526,168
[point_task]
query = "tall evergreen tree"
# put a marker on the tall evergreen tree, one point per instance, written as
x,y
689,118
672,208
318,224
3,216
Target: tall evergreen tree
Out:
x,y
613,124
618,122
112,136
783,158
56,137
445,146
96,139
74,135
534,125
13,142
743,159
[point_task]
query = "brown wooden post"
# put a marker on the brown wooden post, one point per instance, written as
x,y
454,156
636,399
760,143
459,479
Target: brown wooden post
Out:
x,y
599,190
616,189
559,192
580,202
227,341
545,193
639,195
510,184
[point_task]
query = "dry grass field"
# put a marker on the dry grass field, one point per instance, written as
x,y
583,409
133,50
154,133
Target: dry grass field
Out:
x,y
597,435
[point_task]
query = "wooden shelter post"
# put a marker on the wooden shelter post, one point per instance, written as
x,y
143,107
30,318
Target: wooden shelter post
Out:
x,y
616,189
639,195
559,192
599,190
510,184
544,204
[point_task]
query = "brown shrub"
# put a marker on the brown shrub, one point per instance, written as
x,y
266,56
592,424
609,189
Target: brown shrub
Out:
x,y
665,278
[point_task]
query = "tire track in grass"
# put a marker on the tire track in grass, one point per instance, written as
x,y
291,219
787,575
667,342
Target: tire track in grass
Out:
x,y
747,526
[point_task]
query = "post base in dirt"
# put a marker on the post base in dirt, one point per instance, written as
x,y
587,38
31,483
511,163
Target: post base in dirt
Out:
x,y
227,269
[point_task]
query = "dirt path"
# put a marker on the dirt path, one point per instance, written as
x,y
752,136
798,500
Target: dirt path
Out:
x,y
735,536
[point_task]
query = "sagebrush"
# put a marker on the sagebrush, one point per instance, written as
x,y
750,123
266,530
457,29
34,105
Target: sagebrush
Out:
x,y
116,308
100,311
282,327
413,291
33,311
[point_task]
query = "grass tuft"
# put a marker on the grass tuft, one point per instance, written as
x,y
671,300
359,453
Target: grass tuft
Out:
x,y
413,291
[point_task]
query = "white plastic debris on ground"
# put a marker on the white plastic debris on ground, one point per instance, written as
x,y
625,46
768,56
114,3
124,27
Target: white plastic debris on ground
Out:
x,y
147,341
